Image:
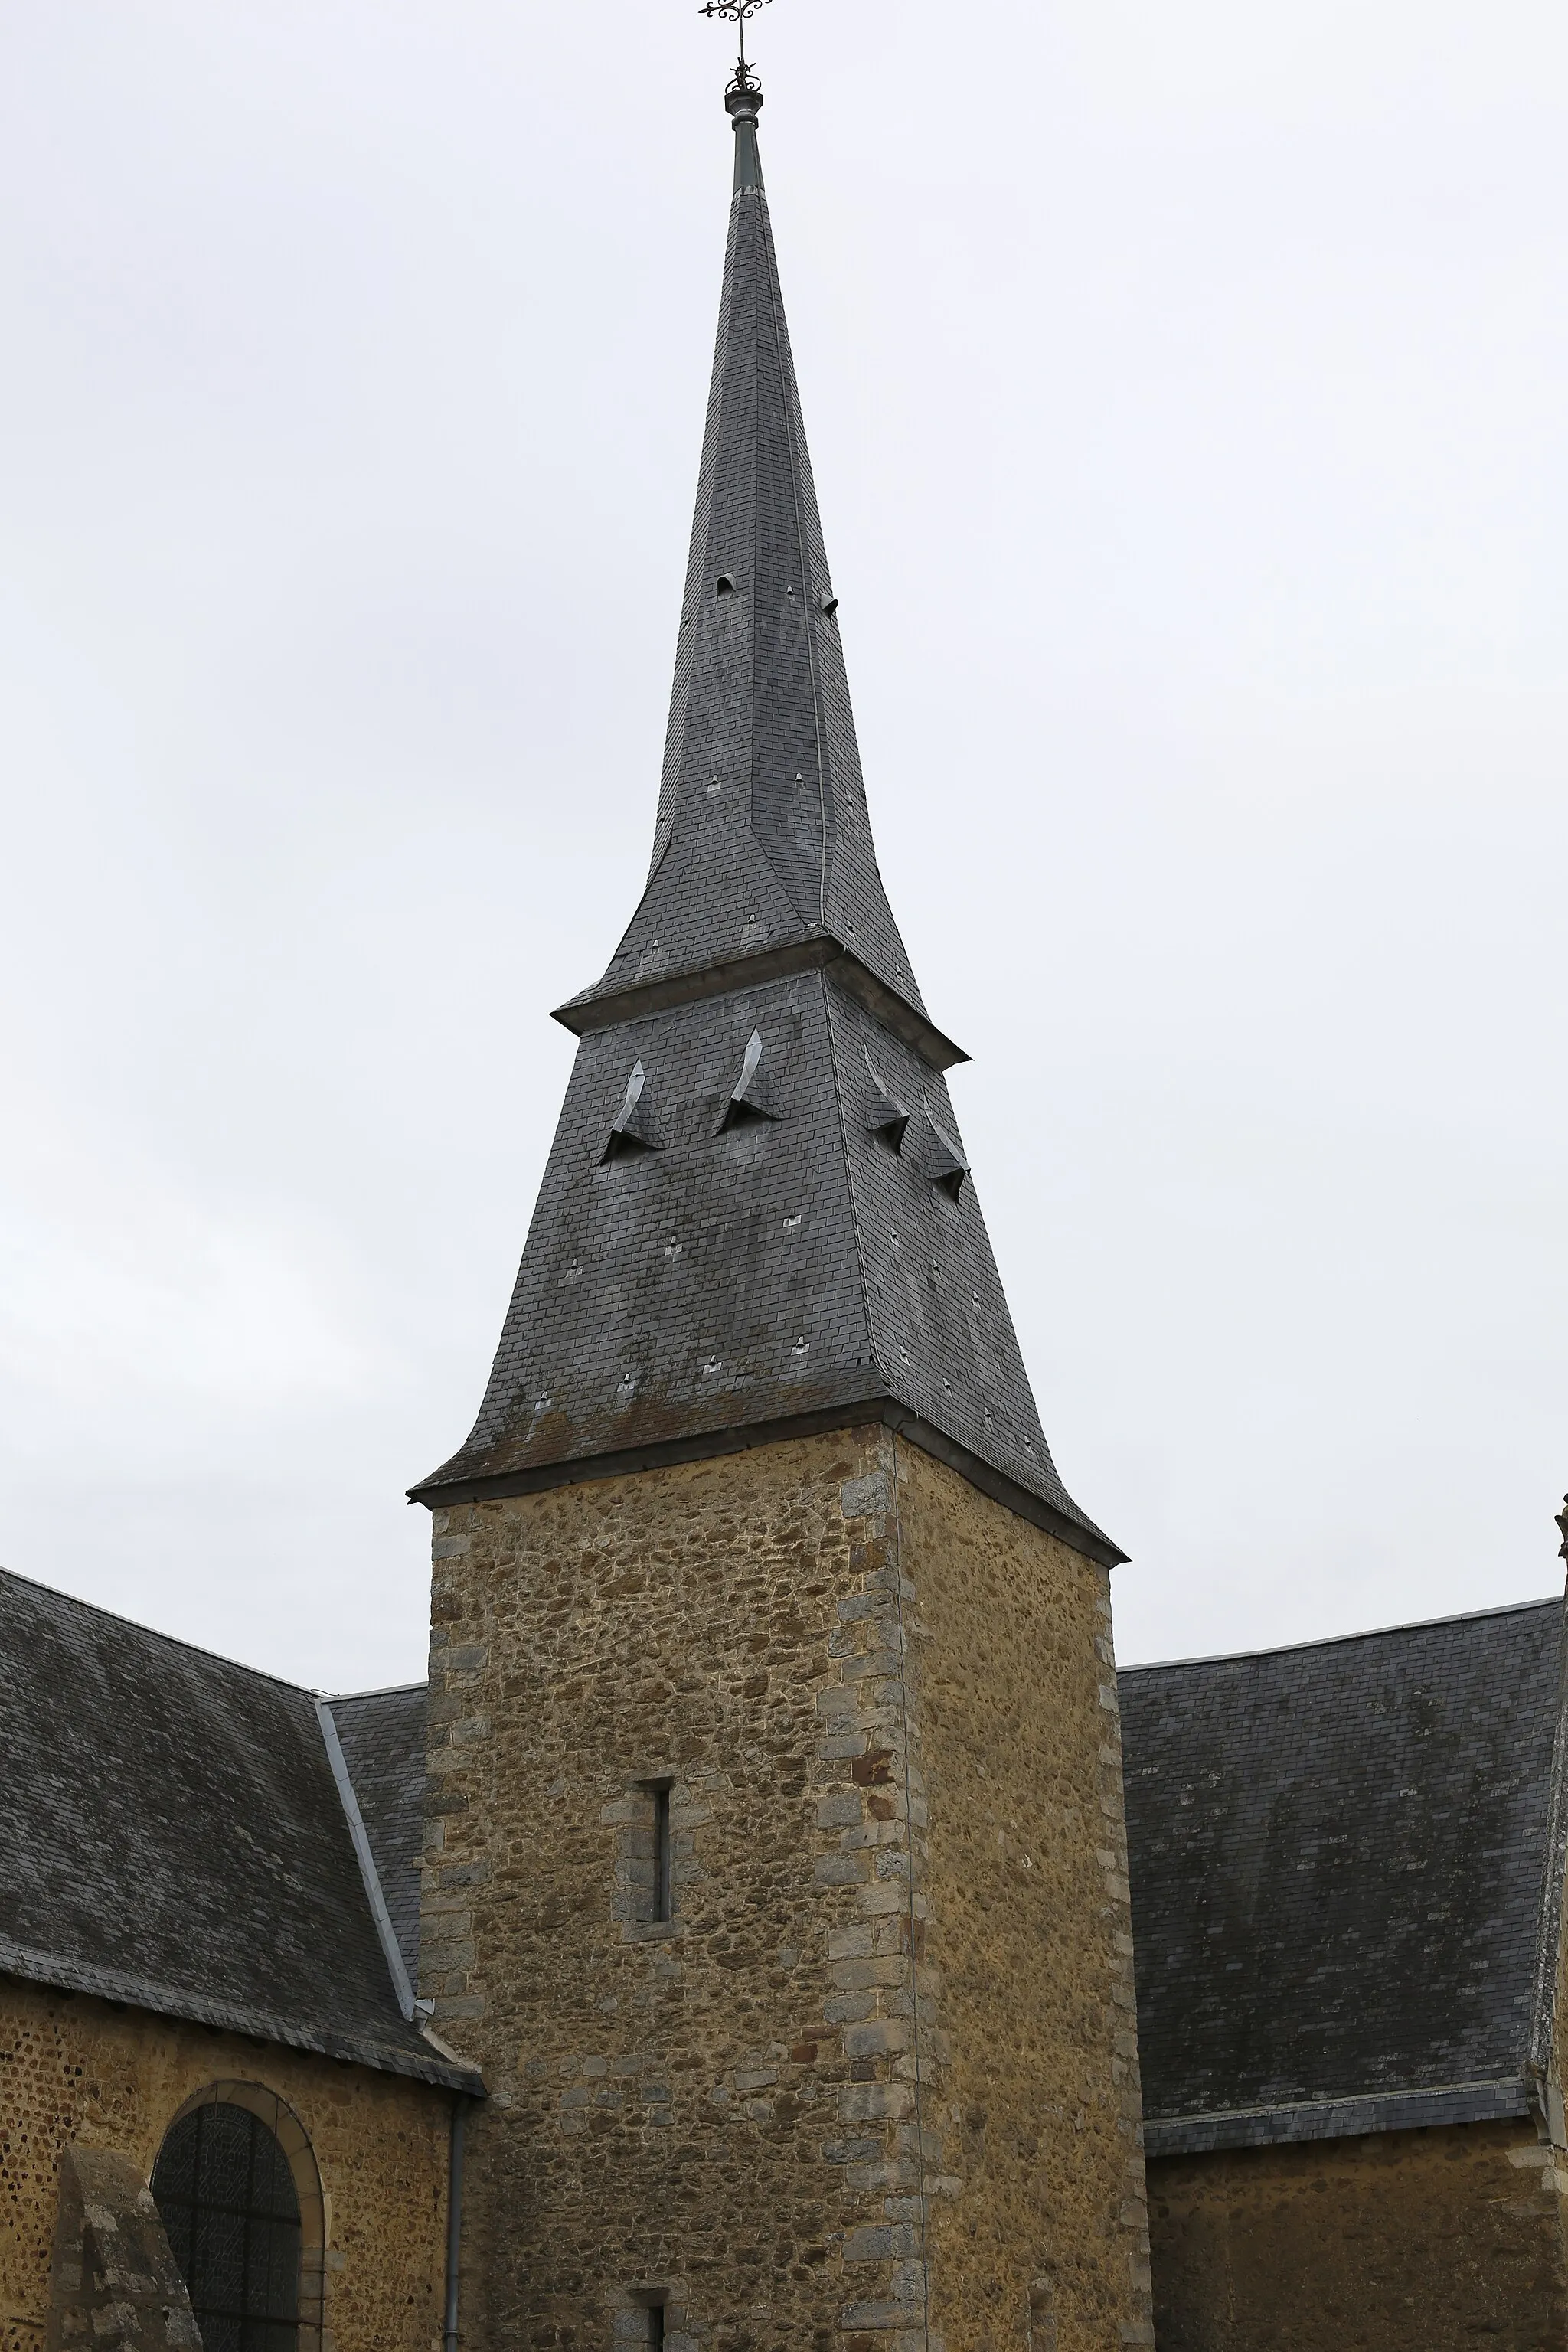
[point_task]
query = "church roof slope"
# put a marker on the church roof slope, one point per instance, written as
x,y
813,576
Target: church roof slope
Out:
x,y
172,1837
383,1737
1338,1855
758,1219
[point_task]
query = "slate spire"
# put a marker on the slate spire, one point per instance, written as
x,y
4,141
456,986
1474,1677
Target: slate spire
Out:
x,y
762,846
757,1219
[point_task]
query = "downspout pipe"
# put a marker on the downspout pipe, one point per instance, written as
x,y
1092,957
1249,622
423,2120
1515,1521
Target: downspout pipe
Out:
x,y
460,2107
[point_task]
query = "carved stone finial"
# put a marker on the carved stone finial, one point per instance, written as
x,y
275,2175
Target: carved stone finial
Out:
x,y
1562,1525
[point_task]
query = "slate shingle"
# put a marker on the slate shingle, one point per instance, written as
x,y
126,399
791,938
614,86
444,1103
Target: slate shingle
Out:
x,y
726,1280
1338,1855
382,1739
173,1837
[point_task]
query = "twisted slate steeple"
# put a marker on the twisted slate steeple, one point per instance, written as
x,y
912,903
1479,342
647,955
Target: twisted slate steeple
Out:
x,y
757,1218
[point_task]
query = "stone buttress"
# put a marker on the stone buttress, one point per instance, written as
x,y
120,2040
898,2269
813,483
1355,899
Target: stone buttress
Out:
x,y
775,1869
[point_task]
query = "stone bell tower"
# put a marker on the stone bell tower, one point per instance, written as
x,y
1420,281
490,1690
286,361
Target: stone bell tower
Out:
x,y
775,1869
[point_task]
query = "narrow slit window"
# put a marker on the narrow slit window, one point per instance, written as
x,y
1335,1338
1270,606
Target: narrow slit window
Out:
x,y
656,2310
662,1907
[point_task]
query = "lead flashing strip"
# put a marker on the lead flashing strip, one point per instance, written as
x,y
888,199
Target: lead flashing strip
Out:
x,y
127,1991
1313,2119
821,952
391,1950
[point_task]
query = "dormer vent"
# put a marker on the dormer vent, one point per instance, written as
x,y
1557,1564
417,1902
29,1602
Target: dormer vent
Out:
x,y
633,1129
885,1114
944,1163
751,1096
759,1271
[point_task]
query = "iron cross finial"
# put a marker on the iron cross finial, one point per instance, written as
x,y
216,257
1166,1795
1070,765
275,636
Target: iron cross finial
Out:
x,y
736,11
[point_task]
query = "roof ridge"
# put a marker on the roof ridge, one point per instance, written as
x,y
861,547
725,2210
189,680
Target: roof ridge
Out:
x,y
156,1634
200,1649
382,1690
1338,1641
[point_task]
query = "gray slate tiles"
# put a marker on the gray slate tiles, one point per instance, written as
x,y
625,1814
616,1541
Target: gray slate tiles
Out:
x,y
382,1737
1338,1856
757,1215
172,1837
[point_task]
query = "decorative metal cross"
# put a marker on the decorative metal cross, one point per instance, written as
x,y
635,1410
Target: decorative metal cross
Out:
x,y
736,11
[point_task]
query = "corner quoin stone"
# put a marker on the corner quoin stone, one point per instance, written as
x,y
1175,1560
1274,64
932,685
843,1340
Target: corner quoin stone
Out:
x,y
874,2085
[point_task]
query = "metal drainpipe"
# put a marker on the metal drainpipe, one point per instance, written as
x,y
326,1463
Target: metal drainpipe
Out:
x,y
454,2216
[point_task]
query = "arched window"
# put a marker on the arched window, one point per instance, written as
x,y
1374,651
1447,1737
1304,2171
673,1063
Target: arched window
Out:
x,y
226,2193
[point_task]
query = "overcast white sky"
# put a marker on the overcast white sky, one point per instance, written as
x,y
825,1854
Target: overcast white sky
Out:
x,y
1186,388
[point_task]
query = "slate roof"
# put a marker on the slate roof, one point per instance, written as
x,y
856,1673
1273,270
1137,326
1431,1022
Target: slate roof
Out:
x,y
757,1217
383,1737
172,1837
1338,1860
1346,1861
761,841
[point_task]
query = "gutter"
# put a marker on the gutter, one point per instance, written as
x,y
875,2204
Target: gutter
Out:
x,y
419,2057
1352,2118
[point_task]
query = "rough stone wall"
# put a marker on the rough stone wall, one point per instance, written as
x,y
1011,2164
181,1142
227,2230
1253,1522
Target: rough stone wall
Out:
x,y
114,2285
75,2069
1557,2051
1441,2240
739,2111
1030,1930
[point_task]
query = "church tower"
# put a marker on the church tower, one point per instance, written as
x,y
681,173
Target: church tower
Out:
x,y
776,1871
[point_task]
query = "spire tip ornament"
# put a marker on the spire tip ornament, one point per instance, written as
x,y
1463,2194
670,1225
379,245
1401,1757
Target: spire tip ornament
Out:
x,y
743,85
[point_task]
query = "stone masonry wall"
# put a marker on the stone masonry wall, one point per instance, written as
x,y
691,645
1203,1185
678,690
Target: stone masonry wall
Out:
x,y
75,2069
740,2111
114,2284
1557,2058
1437,2240
1030,1929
